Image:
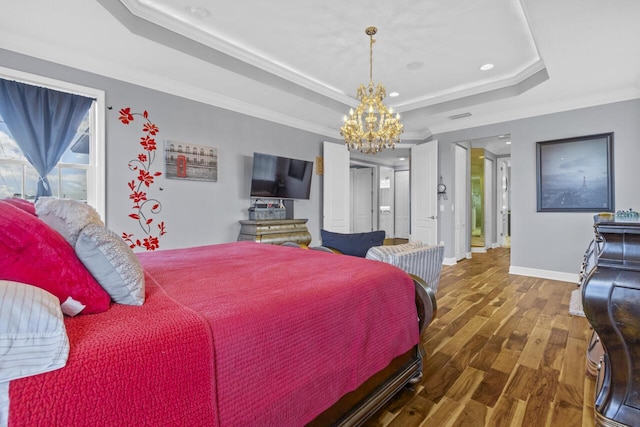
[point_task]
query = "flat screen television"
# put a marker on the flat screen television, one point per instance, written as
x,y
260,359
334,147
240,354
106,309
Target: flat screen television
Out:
x,y
279,177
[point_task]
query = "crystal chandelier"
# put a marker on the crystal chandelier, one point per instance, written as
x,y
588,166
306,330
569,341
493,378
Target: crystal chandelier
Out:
x,y
371,127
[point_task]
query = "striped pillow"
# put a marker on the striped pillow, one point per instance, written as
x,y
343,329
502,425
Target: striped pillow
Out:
x,y
33,338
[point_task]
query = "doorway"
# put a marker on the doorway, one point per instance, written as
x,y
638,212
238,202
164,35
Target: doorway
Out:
x,y
361,181
384,195
490,192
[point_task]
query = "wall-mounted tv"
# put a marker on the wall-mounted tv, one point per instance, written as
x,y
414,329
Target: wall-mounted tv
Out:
x,y
280,177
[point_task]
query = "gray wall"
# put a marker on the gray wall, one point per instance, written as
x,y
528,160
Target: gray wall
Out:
x,y
195,213
199,213
553,242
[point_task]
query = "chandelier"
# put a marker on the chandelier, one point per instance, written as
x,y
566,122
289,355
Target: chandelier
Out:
x,y
371,127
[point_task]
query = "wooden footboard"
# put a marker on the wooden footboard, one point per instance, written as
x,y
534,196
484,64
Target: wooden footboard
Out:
x,y
354,408
425,302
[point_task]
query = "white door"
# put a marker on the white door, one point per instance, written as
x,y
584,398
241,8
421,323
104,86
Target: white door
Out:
x,y
386,210
460,206
402,204
335,182
424,192
488,203
362,200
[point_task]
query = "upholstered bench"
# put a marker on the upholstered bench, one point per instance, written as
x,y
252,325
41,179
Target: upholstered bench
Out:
x,y
415,258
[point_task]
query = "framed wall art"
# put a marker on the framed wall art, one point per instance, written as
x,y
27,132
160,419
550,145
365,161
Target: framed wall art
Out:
x,y
190,161
576,174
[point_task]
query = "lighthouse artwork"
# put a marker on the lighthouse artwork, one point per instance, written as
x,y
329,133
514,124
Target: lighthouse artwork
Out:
x,y
576,174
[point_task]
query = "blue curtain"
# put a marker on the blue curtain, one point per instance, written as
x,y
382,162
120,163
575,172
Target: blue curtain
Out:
x,y
43,123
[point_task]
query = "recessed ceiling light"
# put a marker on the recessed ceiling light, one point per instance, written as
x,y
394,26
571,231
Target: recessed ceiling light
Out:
x,y
486,67
198,12
402,158
415,65
508,142
393,94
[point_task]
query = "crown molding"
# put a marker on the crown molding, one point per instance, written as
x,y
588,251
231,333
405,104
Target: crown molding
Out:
x,y
539,110
460,92
151,81
191,31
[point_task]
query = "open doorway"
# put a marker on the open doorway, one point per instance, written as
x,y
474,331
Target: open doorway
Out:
x,y
490,211
380,186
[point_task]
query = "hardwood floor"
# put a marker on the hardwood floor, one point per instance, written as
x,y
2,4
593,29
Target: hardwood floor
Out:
x,y
502,351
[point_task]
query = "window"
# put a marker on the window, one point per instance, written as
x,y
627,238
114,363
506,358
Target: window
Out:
x,y
80,172
68,180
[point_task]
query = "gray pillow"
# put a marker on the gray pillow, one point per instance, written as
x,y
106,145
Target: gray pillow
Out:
x,y
68,217
112,263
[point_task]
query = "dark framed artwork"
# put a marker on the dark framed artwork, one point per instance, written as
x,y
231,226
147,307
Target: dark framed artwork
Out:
x,y
575,174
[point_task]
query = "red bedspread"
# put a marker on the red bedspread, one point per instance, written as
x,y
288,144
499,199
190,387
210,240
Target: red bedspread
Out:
x,y
290,332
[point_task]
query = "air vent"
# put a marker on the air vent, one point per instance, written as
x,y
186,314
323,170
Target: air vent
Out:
x,y
459,116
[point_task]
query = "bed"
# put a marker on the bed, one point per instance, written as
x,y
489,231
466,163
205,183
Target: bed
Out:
x,y
237,334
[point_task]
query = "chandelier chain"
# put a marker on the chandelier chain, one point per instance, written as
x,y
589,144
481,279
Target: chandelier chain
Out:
x,y
371,42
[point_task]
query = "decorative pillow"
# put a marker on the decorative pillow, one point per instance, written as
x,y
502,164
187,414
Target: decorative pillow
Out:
x,y
356,244
23,204
112,263
32,252
68,217
33,338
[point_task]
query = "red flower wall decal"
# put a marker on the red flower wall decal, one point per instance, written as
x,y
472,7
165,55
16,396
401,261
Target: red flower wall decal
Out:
x,y
143,207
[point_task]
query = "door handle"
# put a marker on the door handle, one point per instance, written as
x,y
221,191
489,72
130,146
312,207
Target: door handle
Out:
x,y
433,217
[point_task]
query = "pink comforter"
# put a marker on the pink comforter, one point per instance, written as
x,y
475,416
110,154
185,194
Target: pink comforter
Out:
x,y
247,334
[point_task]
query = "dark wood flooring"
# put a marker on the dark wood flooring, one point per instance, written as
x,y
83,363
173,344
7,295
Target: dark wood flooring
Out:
x,y
502,351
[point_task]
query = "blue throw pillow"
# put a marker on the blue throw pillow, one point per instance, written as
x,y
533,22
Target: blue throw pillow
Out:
x,y
356,244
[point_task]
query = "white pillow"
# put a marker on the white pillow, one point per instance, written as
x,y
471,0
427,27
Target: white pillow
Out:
x,y
112,263
33,338
68,217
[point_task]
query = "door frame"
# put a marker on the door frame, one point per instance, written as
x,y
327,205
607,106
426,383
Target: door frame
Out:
x,y
460,206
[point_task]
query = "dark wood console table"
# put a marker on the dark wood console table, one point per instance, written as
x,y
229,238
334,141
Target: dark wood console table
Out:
x,y
275,231
611,300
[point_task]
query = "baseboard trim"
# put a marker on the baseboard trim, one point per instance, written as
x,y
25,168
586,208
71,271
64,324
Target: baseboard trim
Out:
x,y
478,250
449,261
544,274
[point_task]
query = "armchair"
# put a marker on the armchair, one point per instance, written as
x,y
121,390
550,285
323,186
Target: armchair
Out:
x,y
415,258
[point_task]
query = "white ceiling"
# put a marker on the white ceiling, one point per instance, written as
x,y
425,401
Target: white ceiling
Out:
x,y
299,63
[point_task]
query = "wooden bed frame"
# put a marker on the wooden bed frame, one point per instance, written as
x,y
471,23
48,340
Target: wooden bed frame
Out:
x,y
354,408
